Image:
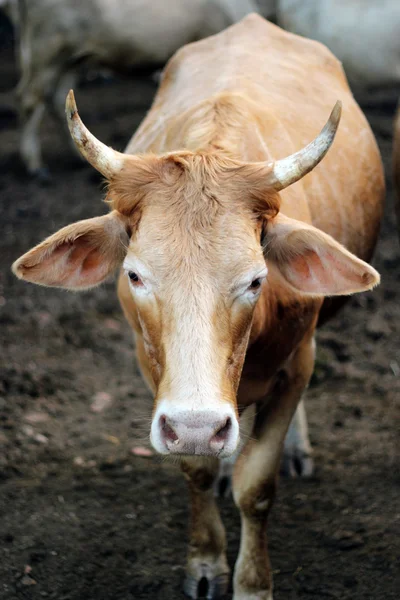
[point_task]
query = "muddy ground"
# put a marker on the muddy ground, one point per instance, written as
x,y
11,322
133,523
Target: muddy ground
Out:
x,y
81,516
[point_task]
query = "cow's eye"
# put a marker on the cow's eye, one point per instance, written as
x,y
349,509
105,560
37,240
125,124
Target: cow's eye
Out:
x,y
134,278
255,284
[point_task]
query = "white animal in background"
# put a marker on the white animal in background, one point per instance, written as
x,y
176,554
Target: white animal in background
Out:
x,y
57,36
363,35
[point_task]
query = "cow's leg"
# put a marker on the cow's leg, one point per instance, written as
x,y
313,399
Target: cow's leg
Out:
x,y
31,106
255,474
31,93
297,454
30,147
207,572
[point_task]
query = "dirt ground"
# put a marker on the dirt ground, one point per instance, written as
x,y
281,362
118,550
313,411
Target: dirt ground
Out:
x,y
81,516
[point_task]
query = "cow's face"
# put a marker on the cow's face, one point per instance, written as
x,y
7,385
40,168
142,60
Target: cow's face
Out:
x,y
196,269
187,229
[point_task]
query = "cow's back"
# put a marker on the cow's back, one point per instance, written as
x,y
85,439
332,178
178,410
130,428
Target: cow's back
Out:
x,y
291,84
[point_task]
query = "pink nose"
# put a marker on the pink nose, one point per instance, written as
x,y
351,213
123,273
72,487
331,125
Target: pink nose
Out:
x,y
203,433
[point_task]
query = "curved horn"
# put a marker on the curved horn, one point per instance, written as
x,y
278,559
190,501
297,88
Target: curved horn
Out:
x,y
294,167
106,160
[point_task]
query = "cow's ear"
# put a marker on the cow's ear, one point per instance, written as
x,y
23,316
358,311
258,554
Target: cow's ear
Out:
x,y
78,256
312,262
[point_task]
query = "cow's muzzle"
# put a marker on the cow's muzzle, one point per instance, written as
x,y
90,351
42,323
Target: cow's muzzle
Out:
x,y
195,432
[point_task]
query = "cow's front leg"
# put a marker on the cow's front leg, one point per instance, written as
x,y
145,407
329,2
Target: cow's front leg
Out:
x,y
207,572
255,474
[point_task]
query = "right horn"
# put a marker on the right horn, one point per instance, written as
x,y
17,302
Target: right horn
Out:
x,y
294,167
104,159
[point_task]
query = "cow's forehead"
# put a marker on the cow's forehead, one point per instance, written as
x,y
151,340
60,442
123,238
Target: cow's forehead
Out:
x,y
221,241
192,213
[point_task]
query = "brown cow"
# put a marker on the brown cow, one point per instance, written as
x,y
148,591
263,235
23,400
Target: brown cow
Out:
x,y
226,263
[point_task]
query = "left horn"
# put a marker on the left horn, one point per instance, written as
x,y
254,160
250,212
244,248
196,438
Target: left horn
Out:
x,y
294,167
106,160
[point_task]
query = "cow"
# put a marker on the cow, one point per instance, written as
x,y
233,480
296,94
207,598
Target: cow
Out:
x,y
57,38
228,250
363,35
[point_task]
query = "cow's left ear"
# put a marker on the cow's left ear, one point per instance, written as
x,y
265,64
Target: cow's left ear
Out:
x,y
312,262
78,256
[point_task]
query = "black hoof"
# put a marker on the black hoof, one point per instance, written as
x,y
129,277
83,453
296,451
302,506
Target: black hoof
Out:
x,y
203,588
298,464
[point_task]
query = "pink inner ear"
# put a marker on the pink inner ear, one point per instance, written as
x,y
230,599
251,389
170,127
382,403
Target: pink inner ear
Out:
x,y
74,264
300,267
314,263
315,274
92,262
71,264
83,265
346,273
323,273
307,272
78,256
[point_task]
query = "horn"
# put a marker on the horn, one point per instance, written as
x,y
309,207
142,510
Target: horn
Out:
x,y
106,160
294,167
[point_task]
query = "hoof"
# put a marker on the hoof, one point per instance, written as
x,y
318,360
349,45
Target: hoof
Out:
x,y
297,464
210,589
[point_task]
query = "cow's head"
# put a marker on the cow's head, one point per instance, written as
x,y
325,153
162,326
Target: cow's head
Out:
x,y
192,232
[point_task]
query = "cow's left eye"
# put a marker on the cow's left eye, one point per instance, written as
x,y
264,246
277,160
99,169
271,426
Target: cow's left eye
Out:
x,y
134,278
255,284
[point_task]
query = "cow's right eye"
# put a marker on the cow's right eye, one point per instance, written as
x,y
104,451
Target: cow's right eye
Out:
x,y
134,278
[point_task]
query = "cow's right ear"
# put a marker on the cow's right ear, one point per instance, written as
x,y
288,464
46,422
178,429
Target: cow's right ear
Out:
x,y
78,256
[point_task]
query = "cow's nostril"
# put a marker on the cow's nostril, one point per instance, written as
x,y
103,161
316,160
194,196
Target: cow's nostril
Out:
x,y
222,433
169,433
